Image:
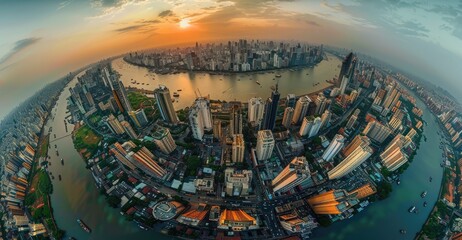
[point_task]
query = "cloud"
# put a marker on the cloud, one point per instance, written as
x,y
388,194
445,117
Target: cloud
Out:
x,y
109,7
166,13
63,4
129,28
413,28
18,47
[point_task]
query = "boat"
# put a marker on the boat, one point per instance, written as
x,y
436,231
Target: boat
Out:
x,y
411,209
62,161
430,179
258,82
179,90
59,177
175,94
425,204
402,231
83,225
278,75
398,181
423,194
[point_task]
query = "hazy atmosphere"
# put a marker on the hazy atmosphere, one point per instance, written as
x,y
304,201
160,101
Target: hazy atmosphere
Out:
x,y
43,40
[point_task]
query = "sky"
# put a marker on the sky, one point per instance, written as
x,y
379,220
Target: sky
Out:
x,y
41,41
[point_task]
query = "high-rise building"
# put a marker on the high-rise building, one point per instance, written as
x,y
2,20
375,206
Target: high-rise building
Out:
x,y
237,183
128,129
325,119
334,147
392,97
396,120
138,117
288,115
163,139
203,106
238,148
393,156
377,131
347,68
165,105
292,175
120,94
353,96
307,124
301,109
256,110
315,127
357,140
271,108
352,161
114,125
411,134
120,153
217,129
196,123
265,144
351,121
332,202
145,161
321,104
290,101
344,84
235,126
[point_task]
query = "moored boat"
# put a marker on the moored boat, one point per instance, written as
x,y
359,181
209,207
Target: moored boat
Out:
x,y
84,226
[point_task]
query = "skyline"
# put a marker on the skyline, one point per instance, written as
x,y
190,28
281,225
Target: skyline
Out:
x,y
72,34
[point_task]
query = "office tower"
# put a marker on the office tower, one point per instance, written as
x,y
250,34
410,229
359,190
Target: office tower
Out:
x,y
88,96
128,129
301,109
237,183
351,121
196,123
114,125
332,202
357,140
203,106
236,220
363,191
145,161
217,129
325,119
411,134
165,105
164,140
290,101
292,175
344,84
334,147
238,148
271,109
357,112
120,95
315,127
321,104
307,124
288,115
265,144
391,98
396,120
393,156
358,155
353,96
377,131
255,111
139,117
120,153
235,125
347,68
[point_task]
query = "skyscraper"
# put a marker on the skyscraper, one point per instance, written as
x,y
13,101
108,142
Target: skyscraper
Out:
x,y
332,202
315,127
334,147
235,125
347,68
307,124
377,131
301,109
288,115
196,123
120,95
203,106
114,125
360,154
265,144
238,148
163,139
292,175
164,103
351,121
290,100
357,140
256,110
396,120
138,117
393,156
321,104
128,129
353,96
344,84
325,119
144,159
271,109
217,129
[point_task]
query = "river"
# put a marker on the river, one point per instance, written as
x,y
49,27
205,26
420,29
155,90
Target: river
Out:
x,y
76,196
383,219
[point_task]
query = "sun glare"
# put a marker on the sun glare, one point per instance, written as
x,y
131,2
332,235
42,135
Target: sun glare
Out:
x,y
184,23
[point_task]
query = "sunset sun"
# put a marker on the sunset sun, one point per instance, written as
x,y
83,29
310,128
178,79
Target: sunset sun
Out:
x,y
184,23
